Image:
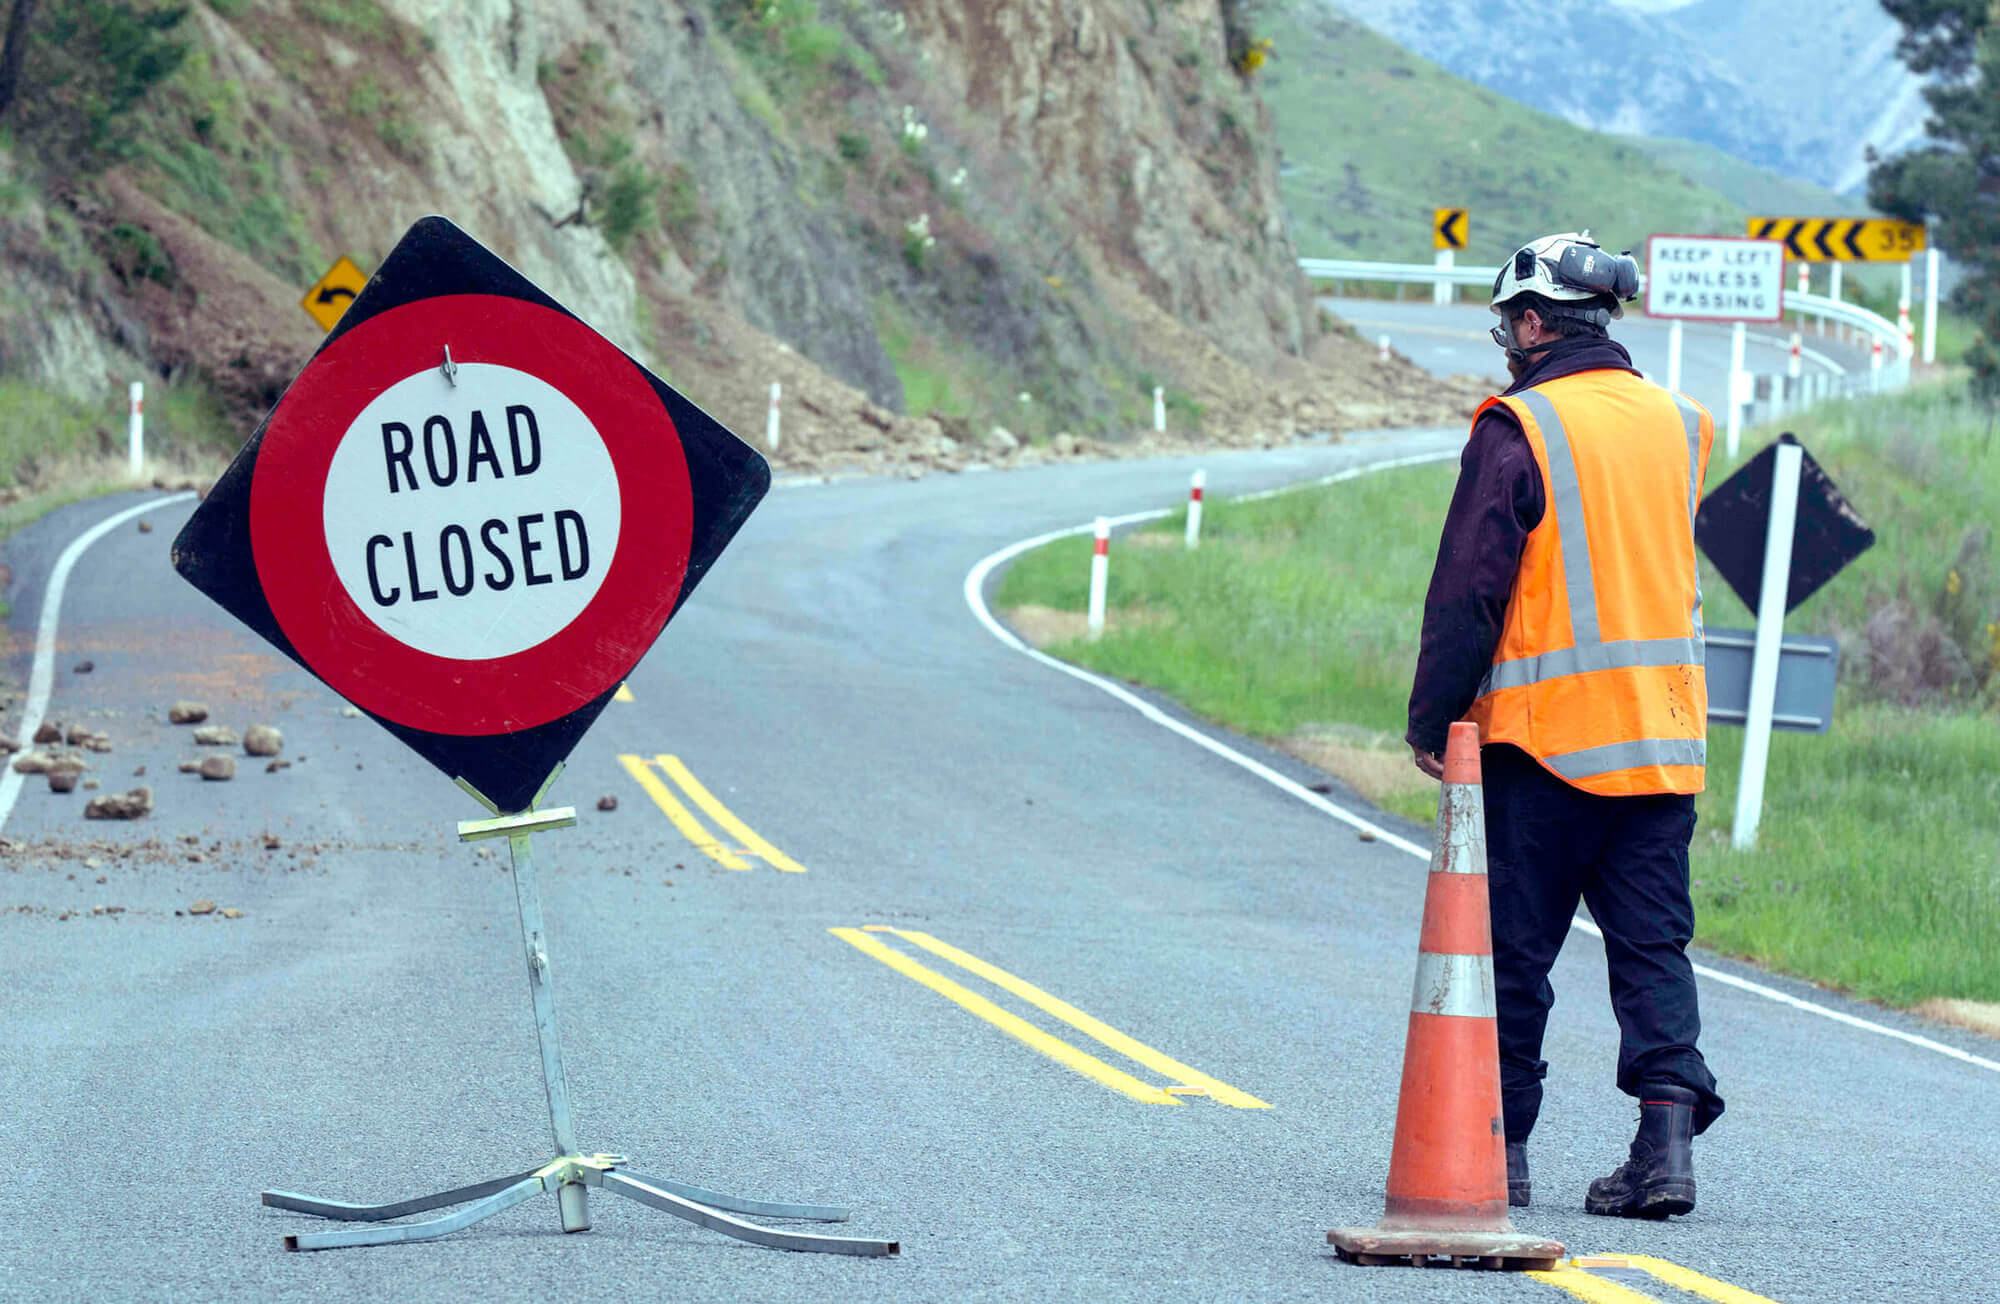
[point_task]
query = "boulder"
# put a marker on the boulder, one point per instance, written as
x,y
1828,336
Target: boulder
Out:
x,y
188,712
120,805
263,740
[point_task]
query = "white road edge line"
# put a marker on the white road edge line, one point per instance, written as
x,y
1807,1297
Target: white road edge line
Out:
x,y
975,598
41,679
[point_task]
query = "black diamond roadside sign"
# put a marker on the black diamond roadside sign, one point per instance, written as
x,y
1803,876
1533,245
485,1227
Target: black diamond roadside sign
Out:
x,y
1733,520
470,514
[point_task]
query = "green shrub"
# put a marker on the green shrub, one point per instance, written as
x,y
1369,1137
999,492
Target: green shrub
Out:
x,y
628,204
136,254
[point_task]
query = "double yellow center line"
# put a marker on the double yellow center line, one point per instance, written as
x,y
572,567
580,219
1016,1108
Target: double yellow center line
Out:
x,y
1184,1081
647,774
1579,1278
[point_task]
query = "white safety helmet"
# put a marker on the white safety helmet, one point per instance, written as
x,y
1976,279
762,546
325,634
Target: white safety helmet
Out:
x,y
1565,269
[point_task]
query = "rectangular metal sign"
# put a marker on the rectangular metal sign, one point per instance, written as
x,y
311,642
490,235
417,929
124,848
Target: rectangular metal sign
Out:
x,y
1715,278
1842,239
1807,668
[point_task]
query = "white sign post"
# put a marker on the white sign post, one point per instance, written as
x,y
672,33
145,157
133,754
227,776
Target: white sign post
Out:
x,y
1771,597
1930,304
1740,387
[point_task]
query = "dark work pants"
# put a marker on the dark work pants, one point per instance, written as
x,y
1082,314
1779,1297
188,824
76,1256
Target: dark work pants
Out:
x,y
1549,845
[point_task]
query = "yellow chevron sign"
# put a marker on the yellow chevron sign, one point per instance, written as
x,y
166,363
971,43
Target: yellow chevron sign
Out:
x,y
1451,228
1842,239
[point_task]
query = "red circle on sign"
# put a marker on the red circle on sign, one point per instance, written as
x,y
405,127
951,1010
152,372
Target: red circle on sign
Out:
x,y
355,656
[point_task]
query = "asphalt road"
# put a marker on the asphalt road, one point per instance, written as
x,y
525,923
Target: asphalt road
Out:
x,y
1455,339
362,1031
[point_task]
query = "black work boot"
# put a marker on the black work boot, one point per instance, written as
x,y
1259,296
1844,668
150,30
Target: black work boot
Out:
x,y
1517,1174
1658,1180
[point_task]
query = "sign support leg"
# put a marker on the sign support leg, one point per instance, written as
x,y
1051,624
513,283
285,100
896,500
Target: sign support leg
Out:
x,y
572,1173
1771,597
1674,343
1441,289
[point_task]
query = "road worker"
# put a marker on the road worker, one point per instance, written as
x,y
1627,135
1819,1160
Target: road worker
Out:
x,y
1564,618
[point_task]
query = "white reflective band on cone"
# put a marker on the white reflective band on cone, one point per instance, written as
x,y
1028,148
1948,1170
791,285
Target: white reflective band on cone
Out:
x,y
1454,984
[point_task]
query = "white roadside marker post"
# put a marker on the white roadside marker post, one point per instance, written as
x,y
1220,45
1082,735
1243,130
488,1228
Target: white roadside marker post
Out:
x,y
1100,574
1737,384
1771,596
1159,410
135,436
771,422
1875,366
1194,509
1381,348
1794,368
1903,315
1674,344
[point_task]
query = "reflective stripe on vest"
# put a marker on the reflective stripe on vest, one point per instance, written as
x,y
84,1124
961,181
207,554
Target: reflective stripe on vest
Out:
x,y
1589,651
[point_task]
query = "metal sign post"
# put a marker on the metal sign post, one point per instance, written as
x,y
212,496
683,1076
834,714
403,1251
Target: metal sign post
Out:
x,y
1770,635
571,1173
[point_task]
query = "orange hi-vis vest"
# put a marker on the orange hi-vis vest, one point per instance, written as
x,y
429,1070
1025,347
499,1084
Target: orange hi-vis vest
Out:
x,y
1598,675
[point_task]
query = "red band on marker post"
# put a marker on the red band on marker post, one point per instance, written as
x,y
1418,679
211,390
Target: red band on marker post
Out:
x,y
1103,548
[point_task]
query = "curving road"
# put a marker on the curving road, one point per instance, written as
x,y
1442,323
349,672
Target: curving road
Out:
x,y
362,1031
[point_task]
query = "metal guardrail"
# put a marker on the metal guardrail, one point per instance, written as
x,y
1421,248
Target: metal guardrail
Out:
x,y
1770,395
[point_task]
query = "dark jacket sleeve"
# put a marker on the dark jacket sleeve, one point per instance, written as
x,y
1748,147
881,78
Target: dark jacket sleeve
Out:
x,y
1497,502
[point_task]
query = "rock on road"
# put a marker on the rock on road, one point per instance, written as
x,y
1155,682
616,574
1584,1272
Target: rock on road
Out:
x,y
362,1031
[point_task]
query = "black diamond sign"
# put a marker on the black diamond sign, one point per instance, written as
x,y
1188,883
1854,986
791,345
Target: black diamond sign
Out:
x,y
1734,520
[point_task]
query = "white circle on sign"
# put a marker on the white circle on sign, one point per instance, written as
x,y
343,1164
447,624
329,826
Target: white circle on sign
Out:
x,y
471,520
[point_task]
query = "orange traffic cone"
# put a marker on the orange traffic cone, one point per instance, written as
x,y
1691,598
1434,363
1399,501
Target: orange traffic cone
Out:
x,y
1447,1198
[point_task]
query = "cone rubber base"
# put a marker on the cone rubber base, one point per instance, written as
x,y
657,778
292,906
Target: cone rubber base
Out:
x,y
1507,1251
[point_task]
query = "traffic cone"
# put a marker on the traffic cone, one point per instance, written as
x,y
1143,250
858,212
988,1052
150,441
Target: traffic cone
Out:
x,y
1447,1198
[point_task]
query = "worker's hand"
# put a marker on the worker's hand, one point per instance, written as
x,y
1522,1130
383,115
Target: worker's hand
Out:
x,y
1429,762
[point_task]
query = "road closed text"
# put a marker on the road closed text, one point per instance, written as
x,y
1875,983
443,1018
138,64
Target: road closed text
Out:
x,y
531,548
475,518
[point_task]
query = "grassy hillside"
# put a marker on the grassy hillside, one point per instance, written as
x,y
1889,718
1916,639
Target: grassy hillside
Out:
x,y
1374,138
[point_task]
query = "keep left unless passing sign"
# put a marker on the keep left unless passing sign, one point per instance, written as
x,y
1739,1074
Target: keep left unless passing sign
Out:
x,y
1715,278
470,514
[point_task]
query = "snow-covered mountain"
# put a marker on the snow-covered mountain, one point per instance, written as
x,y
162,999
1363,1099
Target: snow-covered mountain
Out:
x,y
1803,87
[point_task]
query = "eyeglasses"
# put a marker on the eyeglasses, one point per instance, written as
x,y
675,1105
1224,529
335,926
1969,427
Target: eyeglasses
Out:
x,y
1503,336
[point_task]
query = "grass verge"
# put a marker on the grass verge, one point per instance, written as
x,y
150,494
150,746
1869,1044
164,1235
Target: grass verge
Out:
x,y
1875,871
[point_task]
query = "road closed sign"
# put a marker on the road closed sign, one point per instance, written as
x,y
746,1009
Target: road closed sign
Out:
x,y
471,514
1715,278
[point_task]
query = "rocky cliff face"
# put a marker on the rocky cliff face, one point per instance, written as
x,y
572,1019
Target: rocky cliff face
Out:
x,y
1804,87
925,218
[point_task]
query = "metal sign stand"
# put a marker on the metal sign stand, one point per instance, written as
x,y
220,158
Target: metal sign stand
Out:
x,y
571,1173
